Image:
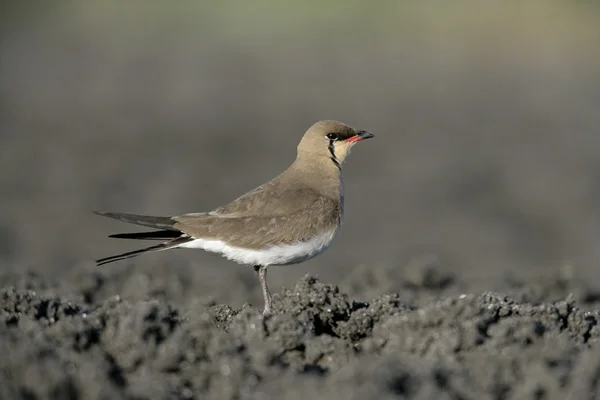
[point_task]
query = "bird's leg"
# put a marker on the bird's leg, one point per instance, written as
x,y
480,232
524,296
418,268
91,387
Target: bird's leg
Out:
x,y
261,270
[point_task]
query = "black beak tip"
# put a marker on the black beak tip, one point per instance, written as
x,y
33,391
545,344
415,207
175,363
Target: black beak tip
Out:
x,y
365,135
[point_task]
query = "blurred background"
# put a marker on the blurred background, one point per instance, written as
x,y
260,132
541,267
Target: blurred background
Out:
x,y
486,160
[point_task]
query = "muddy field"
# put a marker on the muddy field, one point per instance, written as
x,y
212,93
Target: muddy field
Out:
x,y
468,263
90,338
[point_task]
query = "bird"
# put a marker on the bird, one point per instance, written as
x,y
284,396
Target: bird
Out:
x,y
288,220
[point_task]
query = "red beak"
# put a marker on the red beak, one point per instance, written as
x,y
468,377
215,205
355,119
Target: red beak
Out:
x,y
361,135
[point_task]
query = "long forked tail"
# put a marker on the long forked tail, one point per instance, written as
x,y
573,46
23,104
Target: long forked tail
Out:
x,y
171,236
159,247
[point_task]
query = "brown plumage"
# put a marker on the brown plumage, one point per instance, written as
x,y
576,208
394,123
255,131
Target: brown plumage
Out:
x,y
287,220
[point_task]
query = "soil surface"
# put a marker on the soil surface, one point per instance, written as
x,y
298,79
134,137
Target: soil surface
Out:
x,y
80,339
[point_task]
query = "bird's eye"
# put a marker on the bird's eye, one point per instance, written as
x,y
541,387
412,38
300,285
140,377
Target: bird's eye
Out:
x,y
332,136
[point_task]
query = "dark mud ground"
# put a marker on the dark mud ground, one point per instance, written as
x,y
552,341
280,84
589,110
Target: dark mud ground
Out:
x,y
111,333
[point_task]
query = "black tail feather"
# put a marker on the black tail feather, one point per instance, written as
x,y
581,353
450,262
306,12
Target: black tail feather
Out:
x,y
159,247
156,235
130,254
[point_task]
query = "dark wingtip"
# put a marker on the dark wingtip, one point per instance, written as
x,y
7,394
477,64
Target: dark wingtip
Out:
x,y
144,220
155,235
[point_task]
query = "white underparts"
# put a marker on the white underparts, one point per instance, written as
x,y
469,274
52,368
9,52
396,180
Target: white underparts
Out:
x,y
272,255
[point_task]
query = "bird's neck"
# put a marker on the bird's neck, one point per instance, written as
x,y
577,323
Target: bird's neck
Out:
x,y
321,174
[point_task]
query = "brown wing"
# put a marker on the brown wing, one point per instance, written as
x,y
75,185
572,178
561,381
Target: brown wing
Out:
x,y
258,232
271,199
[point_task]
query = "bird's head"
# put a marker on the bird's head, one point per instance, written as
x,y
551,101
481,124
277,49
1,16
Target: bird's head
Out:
x,y
331,139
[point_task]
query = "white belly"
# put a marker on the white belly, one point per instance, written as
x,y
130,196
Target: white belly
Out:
x,y
272,255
